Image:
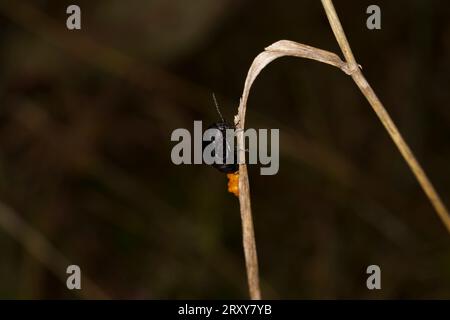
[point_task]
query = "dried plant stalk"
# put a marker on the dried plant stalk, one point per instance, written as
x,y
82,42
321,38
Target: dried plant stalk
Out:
x,y
383,115
350,67
278,49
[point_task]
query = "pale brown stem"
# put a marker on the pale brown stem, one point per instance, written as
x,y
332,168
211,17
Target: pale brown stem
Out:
x,y
383,115
289,48
248,235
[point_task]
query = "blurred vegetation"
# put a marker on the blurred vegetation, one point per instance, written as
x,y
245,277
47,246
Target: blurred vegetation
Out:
x,y
85,124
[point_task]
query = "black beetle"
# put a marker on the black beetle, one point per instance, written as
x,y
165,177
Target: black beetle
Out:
x,y
222,126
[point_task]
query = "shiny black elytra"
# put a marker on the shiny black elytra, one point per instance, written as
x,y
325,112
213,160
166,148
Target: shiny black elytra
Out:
x,y
221,138
222,126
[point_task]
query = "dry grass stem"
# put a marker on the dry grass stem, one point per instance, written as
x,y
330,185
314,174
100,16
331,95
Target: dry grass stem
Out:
x,y
384,117
278,49
350,67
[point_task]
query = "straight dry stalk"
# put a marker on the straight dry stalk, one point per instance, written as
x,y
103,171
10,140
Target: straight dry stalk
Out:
x,y
248,235
384,117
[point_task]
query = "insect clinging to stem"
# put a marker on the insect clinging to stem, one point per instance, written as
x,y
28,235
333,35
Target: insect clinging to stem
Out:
x,y
231,169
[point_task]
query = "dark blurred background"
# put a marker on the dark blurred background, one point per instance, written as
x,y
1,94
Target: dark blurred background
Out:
x,y
85,171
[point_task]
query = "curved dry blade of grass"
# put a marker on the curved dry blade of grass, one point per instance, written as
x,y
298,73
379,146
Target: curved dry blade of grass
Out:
x,y
278,49
290,48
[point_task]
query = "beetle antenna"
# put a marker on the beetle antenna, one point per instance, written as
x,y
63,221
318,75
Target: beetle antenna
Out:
x,y
217,107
